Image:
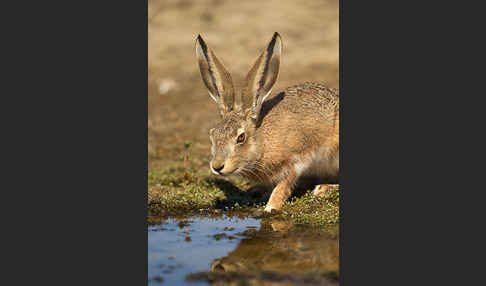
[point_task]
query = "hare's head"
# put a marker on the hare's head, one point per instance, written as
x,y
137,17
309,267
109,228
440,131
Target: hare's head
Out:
x,y
234,139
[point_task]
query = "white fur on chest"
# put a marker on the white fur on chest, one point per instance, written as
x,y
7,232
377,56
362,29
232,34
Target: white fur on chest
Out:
x,y
320,162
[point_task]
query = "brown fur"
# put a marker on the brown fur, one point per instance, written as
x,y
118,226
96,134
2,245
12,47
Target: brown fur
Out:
x,y
288,135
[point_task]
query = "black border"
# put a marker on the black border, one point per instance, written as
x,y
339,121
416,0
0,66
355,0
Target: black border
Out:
x,y
79,212
404,100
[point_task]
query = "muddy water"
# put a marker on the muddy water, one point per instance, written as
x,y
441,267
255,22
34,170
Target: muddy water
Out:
x,y
234,250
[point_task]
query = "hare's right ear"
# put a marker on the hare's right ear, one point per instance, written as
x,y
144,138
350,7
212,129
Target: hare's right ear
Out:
x,y
215,76
262,76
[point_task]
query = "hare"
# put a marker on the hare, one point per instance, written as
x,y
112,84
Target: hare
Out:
x,y
272,140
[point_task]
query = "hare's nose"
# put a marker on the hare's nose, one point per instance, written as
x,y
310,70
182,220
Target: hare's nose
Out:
x,y
218,168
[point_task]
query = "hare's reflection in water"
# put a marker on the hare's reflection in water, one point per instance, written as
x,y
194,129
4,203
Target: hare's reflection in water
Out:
x,y
284,250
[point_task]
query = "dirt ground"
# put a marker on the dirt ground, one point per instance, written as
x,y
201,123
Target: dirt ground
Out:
x,y
180,109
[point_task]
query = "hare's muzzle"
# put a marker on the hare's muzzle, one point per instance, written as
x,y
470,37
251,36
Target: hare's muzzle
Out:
x,y
217,167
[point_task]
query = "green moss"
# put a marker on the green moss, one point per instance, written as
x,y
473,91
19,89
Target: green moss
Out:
x,y
175,191
309,209
180,190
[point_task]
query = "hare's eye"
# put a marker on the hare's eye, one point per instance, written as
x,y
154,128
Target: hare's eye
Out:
x,y
241,138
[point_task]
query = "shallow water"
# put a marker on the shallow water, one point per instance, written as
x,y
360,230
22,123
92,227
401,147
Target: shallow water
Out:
x,y
177,247
223,249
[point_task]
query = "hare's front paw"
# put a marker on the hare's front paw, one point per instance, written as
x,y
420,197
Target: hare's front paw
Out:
x,y
280,193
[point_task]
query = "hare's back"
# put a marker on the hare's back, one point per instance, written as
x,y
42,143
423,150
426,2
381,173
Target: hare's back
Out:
x,y
312,97
304,100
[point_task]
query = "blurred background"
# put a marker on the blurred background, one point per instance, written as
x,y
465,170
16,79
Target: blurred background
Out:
x,y
180,111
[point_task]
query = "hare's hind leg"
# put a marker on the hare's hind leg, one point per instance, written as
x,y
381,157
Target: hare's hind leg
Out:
x,y
281,192
323,189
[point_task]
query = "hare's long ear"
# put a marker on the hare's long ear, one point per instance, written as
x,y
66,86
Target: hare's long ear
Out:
x,y
262,76
215,76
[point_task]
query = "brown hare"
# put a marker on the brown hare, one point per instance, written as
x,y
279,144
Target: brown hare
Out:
x,y
272,140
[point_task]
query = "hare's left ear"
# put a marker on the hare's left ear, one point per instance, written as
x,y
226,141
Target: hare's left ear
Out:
x,y
215,76
263,75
